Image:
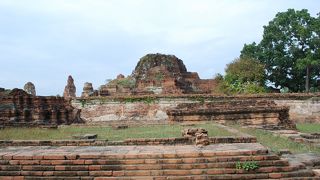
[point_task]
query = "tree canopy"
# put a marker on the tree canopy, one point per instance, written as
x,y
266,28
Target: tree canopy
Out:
x,y
243,75
244,70
289,49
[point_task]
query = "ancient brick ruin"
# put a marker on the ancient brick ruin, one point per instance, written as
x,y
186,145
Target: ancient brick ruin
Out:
x,y
166,74
245,112
158,74
18,108
70,89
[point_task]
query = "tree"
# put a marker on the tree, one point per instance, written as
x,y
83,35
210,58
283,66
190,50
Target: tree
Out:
x,y
291,38
307,63
245,70
243,75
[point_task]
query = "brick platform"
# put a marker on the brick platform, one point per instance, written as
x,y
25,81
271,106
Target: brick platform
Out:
x,y
216,161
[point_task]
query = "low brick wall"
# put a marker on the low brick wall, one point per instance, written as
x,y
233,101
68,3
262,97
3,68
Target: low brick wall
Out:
x,y
140,141
307,110
152,109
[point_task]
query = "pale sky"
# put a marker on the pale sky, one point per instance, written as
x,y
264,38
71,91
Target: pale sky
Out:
x,y
44,41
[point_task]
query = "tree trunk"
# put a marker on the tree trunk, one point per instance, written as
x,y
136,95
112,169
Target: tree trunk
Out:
x,y
308,79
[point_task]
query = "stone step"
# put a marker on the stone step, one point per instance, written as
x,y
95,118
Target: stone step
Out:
x,y
145,162
140,172
168,160
152,165
188,177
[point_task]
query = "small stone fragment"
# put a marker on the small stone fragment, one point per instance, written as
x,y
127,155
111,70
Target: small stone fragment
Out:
x,y
85,136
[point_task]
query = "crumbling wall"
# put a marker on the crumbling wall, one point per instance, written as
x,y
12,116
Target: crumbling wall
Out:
x,y
17,108
152,109
307,110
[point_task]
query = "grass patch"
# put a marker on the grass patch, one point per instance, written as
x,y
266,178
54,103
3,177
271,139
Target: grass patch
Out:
x,y
276,142
66,132
308,127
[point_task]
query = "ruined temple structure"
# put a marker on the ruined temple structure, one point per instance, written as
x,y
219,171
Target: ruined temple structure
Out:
x,y
88,90
70,89
18,108
166,74
120,86
30,88
246,112
158,74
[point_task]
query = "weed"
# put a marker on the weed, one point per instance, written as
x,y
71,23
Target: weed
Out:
x,y
247,165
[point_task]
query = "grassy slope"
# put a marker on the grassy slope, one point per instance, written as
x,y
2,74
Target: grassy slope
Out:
x,y
309,128
65,132
275,142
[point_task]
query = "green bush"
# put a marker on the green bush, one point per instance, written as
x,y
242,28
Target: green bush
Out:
x,y
238,87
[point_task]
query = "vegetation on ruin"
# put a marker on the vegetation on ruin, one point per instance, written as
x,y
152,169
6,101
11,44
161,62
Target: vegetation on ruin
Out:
x,y
106,132
276,142
290,50
247,165
128,82
308,127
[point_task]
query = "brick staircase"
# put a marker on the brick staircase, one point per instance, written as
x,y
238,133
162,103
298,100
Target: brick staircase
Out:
x,y
217,161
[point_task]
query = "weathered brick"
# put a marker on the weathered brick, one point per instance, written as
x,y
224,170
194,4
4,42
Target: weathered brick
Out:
x,y
150,161
48,173
94,167
37,157
22,157
65,173
90,156
82,173
10,168
31,173
266,169
112,167
60,168
29,162
176,172
117,173
275,175
4,162
215,171
100,173
54,157
137,173
12,177
10,173
72,157
133,161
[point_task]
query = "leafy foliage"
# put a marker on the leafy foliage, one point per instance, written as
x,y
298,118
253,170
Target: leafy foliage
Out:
x,y
290,37
247,165
245,70
243,75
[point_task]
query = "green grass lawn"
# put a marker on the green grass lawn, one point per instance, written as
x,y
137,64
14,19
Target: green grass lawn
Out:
x,y
308,127
66,132
276,142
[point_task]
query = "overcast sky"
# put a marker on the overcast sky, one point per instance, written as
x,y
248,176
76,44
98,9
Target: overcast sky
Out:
x,y
44,41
